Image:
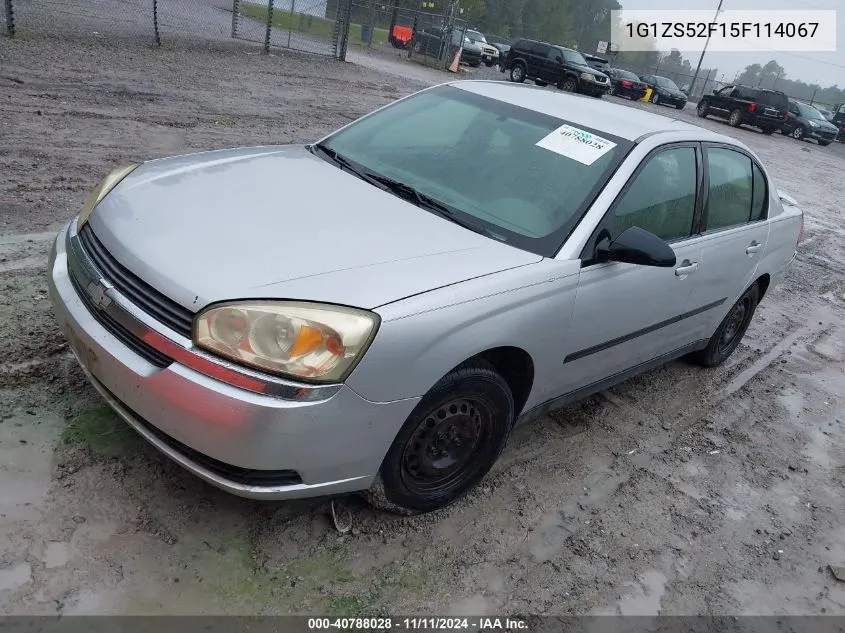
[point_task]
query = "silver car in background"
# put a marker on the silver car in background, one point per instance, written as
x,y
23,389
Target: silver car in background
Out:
x,y
374,312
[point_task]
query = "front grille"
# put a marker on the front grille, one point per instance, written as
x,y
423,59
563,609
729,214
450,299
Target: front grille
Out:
x,y
147,298
236,474
153,356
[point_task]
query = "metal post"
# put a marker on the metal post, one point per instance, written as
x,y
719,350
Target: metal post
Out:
x,y
10,18
774,85
813,98
236,11
155,22
269,26
290,26
372,25
701,57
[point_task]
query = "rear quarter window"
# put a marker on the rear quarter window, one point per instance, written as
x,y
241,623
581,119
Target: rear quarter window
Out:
x,y
775,100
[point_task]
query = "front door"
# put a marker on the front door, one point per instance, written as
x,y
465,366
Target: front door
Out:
x,y
734,233
720,102
626,315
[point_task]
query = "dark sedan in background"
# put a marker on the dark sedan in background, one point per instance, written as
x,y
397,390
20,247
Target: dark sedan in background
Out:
x,y
804,121
665,91
624,83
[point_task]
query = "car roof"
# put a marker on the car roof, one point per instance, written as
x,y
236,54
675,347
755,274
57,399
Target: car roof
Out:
x,y
616,119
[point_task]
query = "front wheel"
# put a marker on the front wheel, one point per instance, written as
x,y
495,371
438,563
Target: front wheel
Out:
x,y
518,73
798,133
730,331
569,85
448,444
489,63
768,130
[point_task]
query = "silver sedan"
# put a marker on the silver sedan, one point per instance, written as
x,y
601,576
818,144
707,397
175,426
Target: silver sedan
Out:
x,y
375,311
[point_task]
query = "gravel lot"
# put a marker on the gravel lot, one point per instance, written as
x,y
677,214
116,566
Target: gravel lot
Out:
x,y
681,491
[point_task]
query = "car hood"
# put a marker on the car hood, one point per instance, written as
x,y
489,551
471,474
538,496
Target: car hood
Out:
x,y
279,222
590,69
472,47
826,125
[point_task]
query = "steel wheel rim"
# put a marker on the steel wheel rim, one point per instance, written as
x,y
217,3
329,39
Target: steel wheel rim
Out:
x,y
443,451
734,324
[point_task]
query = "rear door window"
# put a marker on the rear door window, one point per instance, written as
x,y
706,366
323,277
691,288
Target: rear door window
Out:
x,y
731,188
541,50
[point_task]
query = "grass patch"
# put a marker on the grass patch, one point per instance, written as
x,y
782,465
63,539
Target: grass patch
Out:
x,y
103,431
309,24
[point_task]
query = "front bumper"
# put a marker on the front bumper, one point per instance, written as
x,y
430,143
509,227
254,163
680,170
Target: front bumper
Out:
x,y
823,135
249,444
594,87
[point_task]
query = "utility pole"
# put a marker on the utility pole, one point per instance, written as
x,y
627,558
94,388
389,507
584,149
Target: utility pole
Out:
x,y
701,57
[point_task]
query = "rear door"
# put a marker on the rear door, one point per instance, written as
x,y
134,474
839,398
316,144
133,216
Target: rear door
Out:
x,y
539,58
624,314
734,232
553,68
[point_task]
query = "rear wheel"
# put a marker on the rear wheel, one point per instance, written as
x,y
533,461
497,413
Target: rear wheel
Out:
x,y
448,443
730,331
613,89
702,109
518,73
824,143
540,82
735,119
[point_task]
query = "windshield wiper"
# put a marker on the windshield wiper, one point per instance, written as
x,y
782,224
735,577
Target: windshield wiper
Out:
x,y
406,192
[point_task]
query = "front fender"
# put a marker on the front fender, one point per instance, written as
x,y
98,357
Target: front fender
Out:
x,y
422,338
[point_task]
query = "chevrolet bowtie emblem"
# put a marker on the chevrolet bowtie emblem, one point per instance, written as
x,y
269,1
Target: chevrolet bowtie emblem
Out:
x,y
98,295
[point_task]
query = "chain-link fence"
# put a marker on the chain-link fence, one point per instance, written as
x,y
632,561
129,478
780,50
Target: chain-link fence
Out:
x,y
314,26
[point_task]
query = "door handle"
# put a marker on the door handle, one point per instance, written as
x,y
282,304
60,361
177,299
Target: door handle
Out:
x,y
686,268
753,247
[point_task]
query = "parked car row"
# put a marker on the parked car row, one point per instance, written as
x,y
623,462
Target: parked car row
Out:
x,y
768,110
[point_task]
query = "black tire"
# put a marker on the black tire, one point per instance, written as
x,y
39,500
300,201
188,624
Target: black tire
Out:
x,y
518,72
613,89
469,412
702,109
540,82
735,119
680,106
655,99
768,130
798,133
728,335
824,143
489,63
569,84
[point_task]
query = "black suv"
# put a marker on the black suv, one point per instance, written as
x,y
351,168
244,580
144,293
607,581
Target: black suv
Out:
x,y
550,64
764,109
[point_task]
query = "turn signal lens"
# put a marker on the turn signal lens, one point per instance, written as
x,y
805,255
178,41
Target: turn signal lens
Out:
x,y
315,342
101,191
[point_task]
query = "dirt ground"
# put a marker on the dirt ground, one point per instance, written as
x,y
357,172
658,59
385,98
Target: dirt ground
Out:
x,y
684,491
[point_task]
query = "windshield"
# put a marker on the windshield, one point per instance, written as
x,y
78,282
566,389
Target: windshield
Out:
x,y
574,57
809,112
475,36
663,82
449,144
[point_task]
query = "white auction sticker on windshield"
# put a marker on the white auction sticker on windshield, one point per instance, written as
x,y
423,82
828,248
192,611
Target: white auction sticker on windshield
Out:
x,y
580,145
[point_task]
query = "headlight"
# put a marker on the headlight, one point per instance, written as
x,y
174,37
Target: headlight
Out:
x,y
814,124
316,342
588,76
100,192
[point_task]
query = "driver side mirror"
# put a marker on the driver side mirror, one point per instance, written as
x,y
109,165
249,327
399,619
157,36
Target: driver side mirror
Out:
x,y
635,246
559,59
715,91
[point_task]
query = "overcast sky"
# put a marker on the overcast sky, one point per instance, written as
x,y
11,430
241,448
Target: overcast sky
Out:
x,y
823,68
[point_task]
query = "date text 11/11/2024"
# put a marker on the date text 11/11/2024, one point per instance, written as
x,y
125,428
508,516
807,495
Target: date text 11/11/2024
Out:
x,y
481,624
